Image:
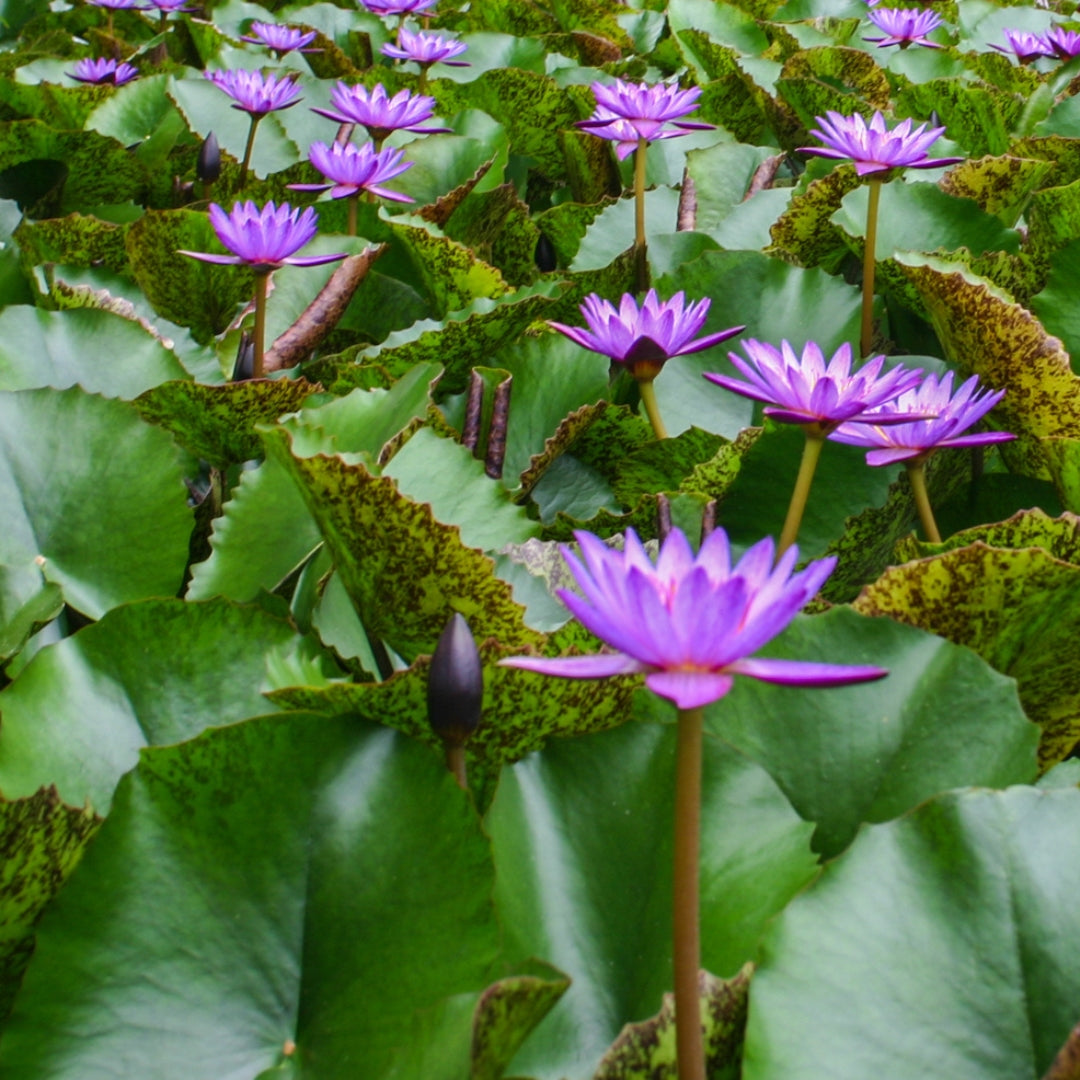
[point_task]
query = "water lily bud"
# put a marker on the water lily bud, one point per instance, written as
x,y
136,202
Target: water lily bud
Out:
x,y
208,166
244,367
455,683
545,256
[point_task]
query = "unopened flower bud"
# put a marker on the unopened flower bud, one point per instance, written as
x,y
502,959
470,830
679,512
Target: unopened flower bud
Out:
x,y
455,683
208,166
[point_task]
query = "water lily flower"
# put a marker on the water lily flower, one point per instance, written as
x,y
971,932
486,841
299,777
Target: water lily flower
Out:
x,y
103,72
264,239
398,7
690,623
118,5
1025,46
1066,43
351,169
255,93
649,335
805,390
953,414
282,40
628,112
645,338
426,48
379,113
904,27
873,147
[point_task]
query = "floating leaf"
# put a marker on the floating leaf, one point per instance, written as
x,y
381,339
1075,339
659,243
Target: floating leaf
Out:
x,y
1016,609
956,919
979,119
1000,185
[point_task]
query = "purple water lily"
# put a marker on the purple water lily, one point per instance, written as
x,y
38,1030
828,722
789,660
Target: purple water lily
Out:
x,y
255,93
170,7
352,169
904,27
264,239
118,5
1066,43
282,40
398,7
690,623
1025,46
426,48
649,335
628,112
103,72
805,390
873,147
919,439
378,112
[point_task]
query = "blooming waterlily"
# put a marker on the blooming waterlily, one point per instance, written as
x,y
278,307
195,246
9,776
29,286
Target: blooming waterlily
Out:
x,y
282,40
873,147
953,414
627,112
352,169
690,623
255,93
102,72
1066,43
904,27
645,338
426,48
379,113
1025,46
804,389
398,7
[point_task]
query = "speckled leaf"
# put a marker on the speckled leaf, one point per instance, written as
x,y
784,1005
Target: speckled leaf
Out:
x,y
867,753
1000,185
497,225
96,170
1053,306
662,466
187,291
463,340
646,1050
979,119
314,885
1059,537
217,423
406,571
147,674
68,498
754,857
101,352
805,232
1063,460
591,170
1053,218
263,534
942,944
74,240
1016,609
983,332
521,710
41,842
833,77
505,1015
730,97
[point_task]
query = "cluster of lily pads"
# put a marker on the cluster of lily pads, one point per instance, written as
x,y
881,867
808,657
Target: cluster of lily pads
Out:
x,y
383,692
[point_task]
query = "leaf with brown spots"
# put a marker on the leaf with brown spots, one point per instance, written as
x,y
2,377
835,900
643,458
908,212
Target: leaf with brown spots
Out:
x,y
1019,610
805,234
41,842
646,1051
985,333
406,572
1000,185
218,422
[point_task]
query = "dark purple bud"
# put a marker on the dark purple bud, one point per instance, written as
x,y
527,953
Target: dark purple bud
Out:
x,y
244,367
455,683
208,166
545,255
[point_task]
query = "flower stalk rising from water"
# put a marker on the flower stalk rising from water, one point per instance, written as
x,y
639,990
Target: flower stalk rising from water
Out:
x,y
819,397
632,115
644,339
265,240
915,442
690,624
875,151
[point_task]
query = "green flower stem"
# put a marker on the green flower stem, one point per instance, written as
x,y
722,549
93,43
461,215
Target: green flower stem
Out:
x,y
262,282
866,336
350,228
916,471
652,407
421,86
247,149
455,762
641,260
689,1043
811,452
